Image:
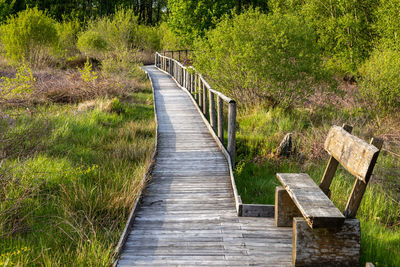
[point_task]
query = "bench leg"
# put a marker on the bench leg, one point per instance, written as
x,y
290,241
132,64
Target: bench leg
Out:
x,y
326,247
285,209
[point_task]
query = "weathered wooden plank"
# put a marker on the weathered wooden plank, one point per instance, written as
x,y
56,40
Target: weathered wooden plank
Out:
x,y
256,210
314,205
285,208
354,154
188,214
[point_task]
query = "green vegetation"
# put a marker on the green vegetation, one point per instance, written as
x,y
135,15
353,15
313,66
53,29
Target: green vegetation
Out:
x,y
76,117
70,174
268,56
381,80
77,132
30,36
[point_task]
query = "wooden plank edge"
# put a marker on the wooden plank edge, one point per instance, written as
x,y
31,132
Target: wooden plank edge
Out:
x,y
238,200
135,209
258,210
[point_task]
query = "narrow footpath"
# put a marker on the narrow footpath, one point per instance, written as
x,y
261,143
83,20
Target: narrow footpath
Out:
x,y
187,216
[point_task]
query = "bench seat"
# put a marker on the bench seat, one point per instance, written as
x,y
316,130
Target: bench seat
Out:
x,y
314,205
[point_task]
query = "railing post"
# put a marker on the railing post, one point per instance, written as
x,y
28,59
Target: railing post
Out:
x,y
220,107
170,66
213,117
232,131
172,54
195,86
199,91
204,99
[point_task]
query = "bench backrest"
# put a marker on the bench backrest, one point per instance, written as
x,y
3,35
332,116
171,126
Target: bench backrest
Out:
x,y
356,156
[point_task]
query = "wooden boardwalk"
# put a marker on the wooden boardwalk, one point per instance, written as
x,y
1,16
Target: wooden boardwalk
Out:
x,y
188,216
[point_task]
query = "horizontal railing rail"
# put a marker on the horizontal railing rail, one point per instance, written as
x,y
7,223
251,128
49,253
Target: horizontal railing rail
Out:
x,y
203,93
177,52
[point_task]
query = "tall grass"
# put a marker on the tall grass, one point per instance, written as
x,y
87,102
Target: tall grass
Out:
x,y
71,176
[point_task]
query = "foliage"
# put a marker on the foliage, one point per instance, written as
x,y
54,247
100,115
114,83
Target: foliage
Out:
x,y
344,28
119,32
380,82
31,35
190,19
169,40
68,31
87,73
255,56
388,23
6,8
92,43
22,84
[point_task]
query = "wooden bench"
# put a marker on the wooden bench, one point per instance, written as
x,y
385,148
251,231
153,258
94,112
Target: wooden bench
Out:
x,y
322,235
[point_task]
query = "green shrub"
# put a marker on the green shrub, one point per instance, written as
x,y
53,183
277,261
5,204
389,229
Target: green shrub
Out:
x,y
118,32
21,85
255,56
87,73
388,23
344,28
92,43
380,82
5,9
31,35
169,40
147,38
68,37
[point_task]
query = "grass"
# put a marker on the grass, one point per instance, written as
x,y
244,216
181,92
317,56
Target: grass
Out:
x,y
69,176
260,131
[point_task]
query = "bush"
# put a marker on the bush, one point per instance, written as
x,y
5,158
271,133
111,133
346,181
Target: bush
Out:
x,y
21,85
254,56
169,40
109,34
344,28
5,9
31,35
388,23
92,43
380,83
68,37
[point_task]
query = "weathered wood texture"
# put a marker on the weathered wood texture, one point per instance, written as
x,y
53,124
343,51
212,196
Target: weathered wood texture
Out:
x,y
285,209
326,247
331,168
353,154
359,186
314,205
187,216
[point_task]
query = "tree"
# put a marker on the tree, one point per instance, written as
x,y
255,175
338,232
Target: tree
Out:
x,y
254,56
344,28
6,8
191,18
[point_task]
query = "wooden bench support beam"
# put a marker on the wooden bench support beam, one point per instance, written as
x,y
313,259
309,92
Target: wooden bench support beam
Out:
x,y
285,209
326,247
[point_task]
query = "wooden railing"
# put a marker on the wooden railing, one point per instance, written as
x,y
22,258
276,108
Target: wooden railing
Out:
x,y
191,80
173,53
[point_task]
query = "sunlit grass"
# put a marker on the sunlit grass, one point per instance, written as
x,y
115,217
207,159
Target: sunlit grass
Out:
x,y
70,179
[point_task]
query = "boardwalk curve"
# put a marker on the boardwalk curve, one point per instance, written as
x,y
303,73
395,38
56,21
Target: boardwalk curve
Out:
x,y
187,216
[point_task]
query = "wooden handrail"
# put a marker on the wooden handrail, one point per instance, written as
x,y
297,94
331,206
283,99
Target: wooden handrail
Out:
x,y
194,82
